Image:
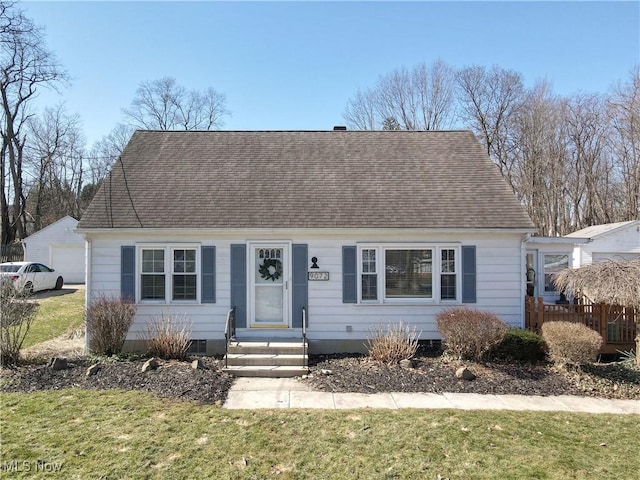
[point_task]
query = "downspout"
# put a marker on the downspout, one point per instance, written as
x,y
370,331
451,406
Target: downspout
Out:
x,y
523,275
87,291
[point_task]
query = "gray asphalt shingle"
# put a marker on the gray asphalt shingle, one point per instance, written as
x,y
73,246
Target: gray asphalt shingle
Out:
x,y
305,179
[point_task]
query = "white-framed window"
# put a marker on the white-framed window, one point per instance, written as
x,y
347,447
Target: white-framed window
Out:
x,y
554,263
415,273
168,273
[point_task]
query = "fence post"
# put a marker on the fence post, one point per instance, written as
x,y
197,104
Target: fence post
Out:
x,y
602,318
540,313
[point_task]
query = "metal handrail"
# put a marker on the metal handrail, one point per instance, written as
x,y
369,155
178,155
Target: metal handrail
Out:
x,y
304,337
229,333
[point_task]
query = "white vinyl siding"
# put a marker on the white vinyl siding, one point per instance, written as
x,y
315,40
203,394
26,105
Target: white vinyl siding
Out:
x,y
500,281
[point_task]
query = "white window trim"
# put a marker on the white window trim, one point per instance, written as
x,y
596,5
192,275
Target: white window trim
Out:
x,y
168,272
436,273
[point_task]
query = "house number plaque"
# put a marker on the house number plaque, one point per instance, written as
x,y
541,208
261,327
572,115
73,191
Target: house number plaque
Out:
x,y
314,276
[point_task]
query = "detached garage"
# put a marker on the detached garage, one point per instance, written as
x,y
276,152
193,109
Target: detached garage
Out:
x,y
59,247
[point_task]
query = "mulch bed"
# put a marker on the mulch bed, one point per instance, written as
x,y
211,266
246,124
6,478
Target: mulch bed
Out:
x,y
171,379
335,373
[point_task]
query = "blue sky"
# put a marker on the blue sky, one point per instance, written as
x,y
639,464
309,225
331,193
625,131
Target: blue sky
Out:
x,y
294,65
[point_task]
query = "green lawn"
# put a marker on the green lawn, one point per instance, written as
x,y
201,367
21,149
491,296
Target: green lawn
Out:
x,y
119,435
55,316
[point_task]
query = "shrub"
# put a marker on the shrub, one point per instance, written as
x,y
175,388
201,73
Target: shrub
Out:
x,y
468,333
108,321
168,337
16,316
520,346
396,342
571,342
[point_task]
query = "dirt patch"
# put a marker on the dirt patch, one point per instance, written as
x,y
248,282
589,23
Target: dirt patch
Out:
x,y
437,375
171,379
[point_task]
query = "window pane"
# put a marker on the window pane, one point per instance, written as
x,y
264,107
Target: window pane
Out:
x,y
153,261
153,287
369,287
184,287
368,261
408,273
553,264
184,261
447,287
448,261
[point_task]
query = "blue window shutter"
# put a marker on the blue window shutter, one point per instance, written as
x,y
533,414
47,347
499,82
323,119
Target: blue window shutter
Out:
x,y
349,274
128,273
208,275
299,283
469,274
239,283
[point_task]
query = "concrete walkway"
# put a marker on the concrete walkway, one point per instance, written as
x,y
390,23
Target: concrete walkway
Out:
x,y
252,393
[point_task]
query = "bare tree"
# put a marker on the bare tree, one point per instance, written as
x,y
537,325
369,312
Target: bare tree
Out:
x,y
25,66
418,99
624,107
164,105
54,155
490,101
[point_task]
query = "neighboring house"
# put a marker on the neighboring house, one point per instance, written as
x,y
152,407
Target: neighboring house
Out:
x,y
357,228
611,241
59,247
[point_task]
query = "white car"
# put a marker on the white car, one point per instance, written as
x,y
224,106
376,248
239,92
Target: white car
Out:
x,y
31,276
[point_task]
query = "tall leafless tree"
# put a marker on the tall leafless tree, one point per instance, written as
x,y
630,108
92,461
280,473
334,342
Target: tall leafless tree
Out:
x,y
418,99
490,100
25,66
164,105
55,156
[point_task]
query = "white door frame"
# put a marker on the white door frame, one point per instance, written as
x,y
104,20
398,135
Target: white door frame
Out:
x,y
285,281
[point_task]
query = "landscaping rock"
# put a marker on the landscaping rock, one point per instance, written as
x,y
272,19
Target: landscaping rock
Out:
x,y
325,371
57,363
93,369
150,364
196,364
465,374
406,363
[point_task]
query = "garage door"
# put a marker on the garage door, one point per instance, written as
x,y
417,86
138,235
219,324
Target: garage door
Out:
x,y
68,261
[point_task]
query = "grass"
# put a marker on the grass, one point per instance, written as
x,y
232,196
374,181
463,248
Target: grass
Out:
x,y
120,435
56,316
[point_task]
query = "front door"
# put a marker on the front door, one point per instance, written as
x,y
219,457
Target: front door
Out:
x,y
269,274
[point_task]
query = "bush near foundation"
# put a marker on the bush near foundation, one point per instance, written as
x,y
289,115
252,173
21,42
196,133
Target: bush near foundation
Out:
x,y
468,333
521,346
168,337
17,313
571,342
108,321
391,344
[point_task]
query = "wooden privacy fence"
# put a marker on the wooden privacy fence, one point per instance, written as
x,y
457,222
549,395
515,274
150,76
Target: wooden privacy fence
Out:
x,y
11,253
616,324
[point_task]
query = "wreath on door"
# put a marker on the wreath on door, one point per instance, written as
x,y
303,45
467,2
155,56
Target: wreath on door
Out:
x,y
271,269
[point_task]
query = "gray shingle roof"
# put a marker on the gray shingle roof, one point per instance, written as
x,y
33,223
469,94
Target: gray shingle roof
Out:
x,y
304,179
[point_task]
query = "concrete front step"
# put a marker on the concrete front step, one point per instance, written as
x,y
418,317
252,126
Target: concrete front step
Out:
x,y
266,347
266,358
259,359
266,371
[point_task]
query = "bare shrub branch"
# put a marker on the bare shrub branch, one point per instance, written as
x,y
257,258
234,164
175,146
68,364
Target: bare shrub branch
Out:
x,y
469,333
571,342
168,336
16,316
391,344
108,321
